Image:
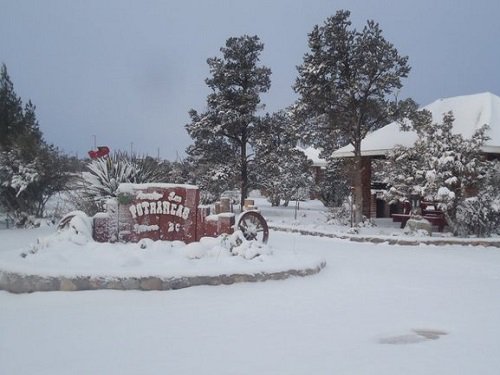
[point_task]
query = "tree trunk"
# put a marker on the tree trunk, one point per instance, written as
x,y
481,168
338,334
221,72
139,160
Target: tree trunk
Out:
x,y
244,172
275,201
357,182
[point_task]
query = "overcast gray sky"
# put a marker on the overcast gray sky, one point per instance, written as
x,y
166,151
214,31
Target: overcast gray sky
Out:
x,y
128,72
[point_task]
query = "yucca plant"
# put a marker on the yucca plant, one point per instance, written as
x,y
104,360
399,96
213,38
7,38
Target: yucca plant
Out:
x,y
103,176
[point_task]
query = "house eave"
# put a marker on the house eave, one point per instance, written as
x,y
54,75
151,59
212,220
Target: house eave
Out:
x,y
491,149
383,152
350,154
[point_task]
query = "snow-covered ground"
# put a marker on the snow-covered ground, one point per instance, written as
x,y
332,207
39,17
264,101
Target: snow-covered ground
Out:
x,y
374,309
68,255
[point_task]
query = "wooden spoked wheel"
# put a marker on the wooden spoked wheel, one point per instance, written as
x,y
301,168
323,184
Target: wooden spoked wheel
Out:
x,y
253,226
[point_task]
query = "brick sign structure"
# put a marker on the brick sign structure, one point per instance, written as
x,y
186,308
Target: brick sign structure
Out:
x,y
158,211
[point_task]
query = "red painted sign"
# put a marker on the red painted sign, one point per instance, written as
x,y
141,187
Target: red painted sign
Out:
x,y
157,211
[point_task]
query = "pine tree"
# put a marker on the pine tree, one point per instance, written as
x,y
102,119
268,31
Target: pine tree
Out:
x,y
30,138
31,171
333,187
282,171
181,172
345,84
11,113
226,129
213,161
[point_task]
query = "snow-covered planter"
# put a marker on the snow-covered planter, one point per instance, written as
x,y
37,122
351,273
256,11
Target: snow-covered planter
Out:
x,y
63,262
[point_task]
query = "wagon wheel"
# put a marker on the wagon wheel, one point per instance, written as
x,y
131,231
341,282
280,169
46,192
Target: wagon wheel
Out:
x,y
64,222
253,226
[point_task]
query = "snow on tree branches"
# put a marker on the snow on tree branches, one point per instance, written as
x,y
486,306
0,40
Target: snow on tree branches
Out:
x,y
284,172
226,127
31,171
447,169
345,85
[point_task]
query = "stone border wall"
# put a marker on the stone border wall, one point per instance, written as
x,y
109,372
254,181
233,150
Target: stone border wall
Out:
x,y
391,240
21,283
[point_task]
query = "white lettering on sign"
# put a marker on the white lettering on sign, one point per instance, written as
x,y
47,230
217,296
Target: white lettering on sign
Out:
x,y
145,228
160,208
173,227
174,197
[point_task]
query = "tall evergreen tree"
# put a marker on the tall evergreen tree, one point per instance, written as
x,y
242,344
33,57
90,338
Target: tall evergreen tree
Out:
x,y
11,111
31,171
214,168
345,85
227,126
283,170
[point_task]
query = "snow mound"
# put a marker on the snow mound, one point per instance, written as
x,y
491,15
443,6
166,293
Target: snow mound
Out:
x,y
72,253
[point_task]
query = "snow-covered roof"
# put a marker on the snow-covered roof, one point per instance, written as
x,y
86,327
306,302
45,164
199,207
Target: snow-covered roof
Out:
x,y
470,112
313,155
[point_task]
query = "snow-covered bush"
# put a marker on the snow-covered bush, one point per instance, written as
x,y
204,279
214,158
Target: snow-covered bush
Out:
x,y
448,169
340,215
344,215
480,214
17,173
27,183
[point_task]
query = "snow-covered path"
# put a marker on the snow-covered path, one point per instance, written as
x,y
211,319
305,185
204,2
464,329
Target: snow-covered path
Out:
x,y
330,323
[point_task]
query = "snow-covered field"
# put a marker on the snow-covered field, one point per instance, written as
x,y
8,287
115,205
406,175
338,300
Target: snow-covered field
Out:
x,y
374,309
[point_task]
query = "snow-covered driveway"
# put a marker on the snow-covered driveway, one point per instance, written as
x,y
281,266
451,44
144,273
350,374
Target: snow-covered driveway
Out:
x,y
357,316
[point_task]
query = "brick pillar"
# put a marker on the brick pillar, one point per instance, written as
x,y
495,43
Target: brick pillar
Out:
x,y
366,179
225,224
225,205
103,228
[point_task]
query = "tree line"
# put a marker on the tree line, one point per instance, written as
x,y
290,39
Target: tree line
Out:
x,y
347,86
